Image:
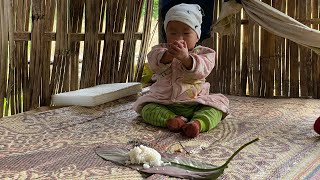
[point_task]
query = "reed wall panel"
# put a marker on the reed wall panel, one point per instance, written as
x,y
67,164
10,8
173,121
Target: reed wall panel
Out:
x,y
52,46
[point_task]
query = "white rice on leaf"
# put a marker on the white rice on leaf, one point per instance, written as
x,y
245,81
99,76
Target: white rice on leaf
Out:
x,y
144,155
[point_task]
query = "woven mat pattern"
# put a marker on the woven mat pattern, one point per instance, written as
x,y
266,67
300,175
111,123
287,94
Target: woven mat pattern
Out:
x,y
60,143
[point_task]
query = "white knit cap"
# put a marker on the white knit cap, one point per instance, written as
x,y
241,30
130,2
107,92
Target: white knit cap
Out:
x,y
190,14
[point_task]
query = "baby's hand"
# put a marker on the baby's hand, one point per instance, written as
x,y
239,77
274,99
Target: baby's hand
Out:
x,y
179,49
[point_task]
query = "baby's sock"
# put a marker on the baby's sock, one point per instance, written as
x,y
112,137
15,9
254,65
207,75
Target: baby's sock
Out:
x,y
175,124
192,129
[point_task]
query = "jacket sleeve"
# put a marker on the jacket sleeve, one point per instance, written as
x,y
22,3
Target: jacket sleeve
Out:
x,y
154,57
203,63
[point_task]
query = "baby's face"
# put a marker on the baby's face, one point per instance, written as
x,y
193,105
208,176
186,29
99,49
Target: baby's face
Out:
x,y
178,31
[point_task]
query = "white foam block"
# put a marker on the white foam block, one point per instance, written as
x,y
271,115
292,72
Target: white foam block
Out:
x,y
96,95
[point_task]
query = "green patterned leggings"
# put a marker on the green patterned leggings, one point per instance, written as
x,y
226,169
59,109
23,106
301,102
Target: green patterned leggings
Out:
x,y
157,114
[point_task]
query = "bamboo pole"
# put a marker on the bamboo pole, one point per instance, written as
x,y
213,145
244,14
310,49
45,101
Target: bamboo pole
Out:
x,y
212,78
304,53
50,9
75,23
101,24
251,61
25,65
256,61
309,54
128,43
230,64
245,70
36,50
268,49
20,54
145,40
238,55
3,52
106,75
90,60
11,88
219,69
293,55
65,46
279,48
315,57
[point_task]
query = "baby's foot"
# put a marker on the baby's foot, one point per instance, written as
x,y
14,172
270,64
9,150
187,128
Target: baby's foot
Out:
x,y
191,129
175,124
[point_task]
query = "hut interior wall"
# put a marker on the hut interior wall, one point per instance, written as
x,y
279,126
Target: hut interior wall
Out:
x,y
41,41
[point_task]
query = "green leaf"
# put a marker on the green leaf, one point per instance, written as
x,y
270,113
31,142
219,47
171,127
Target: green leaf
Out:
x,y
181,167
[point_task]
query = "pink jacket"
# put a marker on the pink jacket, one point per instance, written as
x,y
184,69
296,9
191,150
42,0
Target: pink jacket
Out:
x,y
175,84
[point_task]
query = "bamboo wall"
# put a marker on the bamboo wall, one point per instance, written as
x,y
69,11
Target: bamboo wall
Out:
x,y
256,63
252,62
28,74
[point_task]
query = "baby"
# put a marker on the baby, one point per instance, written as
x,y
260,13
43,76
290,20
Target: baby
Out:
x,y
180,99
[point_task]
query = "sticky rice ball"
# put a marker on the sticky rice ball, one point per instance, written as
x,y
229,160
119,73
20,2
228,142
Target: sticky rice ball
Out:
x,y
144,155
